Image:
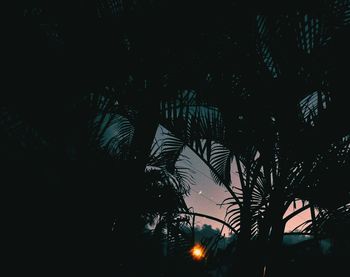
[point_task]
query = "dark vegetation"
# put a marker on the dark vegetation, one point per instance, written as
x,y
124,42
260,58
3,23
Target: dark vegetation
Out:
x,y
260,87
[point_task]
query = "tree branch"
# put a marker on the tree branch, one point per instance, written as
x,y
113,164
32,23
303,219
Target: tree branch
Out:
x,y
213,169
296,213
212,218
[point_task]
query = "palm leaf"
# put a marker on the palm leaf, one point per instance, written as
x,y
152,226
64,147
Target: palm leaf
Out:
x,y
116,135
220,160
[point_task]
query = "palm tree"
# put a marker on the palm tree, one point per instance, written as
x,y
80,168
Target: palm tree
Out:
x,y
270,173
125,73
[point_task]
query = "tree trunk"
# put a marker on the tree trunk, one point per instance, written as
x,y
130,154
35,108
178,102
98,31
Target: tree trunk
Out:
x,y
275,241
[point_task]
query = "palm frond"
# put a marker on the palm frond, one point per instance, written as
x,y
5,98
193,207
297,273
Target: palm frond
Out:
x,y
340,10
221,159
167,157
312,32
171,148
330,222
191,120
263,42
116,135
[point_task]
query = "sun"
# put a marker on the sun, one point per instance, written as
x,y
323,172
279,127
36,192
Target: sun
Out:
x,y
197,252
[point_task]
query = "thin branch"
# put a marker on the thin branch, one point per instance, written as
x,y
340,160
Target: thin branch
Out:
x,y
296,213
213,169
212,218
240,174
314,222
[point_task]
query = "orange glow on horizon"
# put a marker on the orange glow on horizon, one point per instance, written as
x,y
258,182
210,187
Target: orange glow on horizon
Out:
x,y
197,252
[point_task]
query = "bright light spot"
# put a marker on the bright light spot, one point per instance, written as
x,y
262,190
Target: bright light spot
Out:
x,y
197,252
200,192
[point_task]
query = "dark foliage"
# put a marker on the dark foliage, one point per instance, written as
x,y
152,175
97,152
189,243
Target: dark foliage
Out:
x,y
87,83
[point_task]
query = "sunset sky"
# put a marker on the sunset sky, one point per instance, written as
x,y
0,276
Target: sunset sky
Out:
x,y
206,196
